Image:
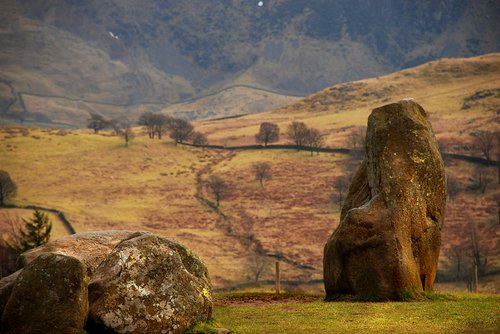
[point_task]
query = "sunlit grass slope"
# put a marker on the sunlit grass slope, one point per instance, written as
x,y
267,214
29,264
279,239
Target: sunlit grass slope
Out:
x,y
455,314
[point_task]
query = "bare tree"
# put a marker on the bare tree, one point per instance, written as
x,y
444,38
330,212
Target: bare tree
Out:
x,y
480,179
123,128
479,257
156,124
452,187
97,122
314,139
262,172
147,119
484,141
257,264
8,188
181,130
268,133
10,242
456,254
199,139
496,198
218,187
340,186
163,123
356,139
296,132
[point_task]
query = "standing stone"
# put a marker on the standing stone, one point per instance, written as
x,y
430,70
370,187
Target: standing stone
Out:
x,y
48,296
387,243
149,284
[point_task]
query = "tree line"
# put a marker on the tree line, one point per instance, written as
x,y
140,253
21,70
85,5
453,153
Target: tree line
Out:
x,y
156,125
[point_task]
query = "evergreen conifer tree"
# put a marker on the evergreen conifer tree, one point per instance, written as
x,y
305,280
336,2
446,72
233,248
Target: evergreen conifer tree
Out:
x,y
36,231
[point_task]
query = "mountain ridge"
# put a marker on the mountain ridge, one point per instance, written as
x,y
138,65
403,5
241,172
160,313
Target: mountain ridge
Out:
x,y
142,52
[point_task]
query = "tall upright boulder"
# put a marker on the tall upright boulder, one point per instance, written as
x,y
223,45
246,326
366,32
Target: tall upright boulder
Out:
x,y
387,243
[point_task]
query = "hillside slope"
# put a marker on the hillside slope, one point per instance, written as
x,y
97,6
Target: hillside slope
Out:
x,y
158,186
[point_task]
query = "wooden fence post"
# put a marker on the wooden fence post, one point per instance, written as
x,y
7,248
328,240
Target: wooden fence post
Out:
x,y
278,277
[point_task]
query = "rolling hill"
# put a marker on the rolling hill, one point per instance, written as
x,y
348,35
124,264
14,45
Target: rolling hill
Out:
x,y
158,186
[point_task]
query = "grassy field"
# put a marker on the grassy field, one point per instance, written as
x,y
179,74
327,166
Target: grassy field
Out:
x,y
472,313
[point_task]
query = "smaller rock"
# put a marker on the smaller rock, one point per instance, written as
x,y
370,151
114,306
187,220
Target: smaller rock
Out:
x,y
49,296
149,284
6,285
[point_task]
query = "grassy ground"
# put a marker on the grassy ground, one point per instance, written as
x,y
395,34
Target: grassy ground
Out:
x,y
472,313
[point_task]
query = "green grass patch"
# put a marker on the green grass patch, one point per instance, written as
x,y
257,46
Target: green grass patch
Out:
x,y
433,314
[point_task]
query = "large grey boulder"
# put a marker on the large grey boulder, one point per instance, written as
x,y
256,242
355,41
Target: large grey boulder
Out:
x,y
49,296
387,243
149,284
139,283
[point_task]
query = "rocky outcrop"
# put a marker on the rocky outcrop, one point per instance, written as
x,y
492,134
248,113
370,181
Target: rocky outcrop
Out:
x,y
49,296
387,243
136,282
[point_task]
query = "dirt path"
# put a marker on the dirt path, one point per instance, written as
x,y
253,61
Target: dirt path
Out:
x,y
264,299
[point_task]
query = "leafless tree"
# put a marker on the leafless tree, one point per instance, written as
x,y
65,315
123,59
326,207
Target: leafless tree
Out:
x,y
257,264
262,172
314,140
480,178
181,130
199,139
452,187
296,132
10,242
8,188
97,122
456,254
156,124
356,140
218,187
496,198
147,119
479,257
268,133
123,128
484,141
340,186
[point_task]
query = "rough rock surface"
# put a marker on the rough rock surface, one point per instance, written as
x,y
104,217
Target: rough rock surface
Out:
x,y
149,284
139,283
90,247
387,243
49,296
6,285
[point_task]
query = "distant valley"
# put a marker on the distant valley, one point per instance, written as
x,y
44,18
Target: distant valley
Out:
x,y
61,60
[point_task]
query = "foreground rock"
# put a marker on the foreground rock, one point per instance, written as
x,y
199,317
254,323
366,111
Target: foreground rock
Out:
x,y
49,296
387,243
149,284
90,247
139,283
